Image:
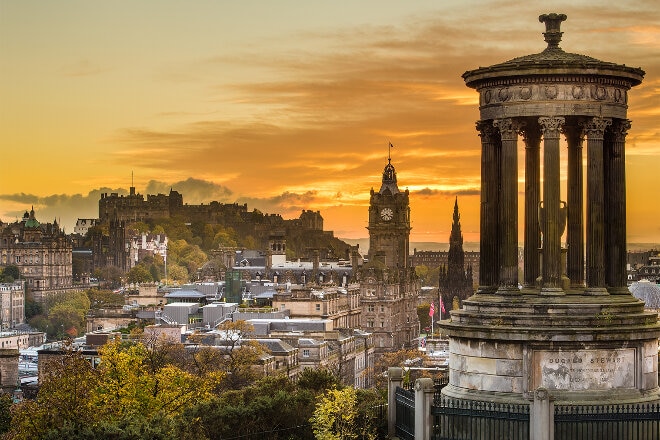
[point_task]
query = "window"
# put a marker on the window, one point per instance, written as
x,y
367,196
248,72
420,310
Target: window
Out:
x,y
382,309
372,307
305,353
318,307
370,323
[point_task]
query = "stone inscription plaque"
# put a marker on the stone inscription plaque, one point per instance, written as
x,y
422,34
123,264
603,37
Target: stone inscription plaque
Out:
x,y
583,370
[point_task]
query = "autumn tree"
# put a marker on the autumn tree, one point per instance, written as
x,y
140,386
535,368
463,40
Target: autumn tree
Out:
x,y
240,355
139,274
126,394
335,416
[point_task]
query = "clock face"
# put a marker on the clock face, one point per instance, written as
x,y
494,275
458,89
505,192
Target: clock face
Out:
x,y
386,214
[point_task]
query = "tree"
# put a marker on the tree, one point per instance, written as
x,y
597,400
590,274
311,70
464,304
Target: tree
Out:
x,y
65,392
125,394
139,274
400,358
240,355
271,408
10,274
317,379
336,415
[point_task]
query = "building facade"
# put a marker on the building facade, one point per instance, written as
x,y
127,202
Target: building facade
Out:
x,y
12,298
41,251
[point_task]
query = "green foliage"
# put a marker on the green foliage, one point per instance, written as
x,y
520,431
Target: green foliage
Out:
x,y
104,298
240,355
5,412
317,380
271,408
64,315
109,275
10,274
127,396
337,417
139,274
154,272
32,308
427,276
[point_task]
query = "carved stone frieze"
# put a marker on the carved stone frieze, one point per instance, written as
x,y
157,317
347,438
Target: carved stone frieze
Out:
x,y
569,91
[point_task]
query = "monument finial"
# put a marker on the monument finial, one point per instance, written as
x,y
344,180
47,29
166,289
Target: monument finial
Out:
x,y
552,32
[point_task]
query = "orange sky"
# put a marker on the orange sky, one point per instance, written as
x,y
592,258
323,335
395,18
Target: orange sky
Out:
x,y
287,105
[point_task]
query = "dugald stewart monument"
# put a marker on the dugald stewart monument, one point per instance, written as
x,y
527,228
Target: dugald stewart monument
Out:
x,y
569,330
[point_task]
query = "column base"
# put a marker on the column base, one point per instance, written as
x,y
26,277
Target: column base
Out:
x,y
596,291
619,290
552,291
508,290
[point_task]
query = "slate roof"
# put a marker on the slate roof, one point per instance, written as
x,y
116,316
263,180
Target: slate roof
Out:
x,y
648,292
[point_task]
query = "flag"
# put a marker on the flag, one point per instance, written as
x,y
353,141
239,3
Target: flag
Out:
x,y
442,306
432,310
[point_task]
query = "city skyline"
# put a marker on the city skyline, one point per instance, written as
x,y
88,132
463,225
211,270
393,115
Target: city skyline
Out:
x,y
286,105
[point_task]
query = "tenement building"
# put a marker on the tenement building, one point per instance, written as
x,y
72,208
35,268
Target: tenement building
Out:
x,y
41,251
570,328
388,284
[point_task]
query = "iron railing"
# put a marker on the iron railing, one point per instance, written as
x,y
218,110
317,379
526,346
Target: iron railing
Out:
x,y
640,421
460,419
405,414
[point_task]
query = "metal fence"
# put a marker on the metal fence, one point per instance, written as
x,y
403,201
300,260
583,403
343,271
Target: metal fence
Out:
x,y
405,414
459,419
640,421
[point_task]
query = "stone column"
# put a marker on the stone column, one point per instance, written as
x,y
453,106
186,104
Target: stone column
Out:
x,y
595,129
532,138
615,207
395,379
542,414
424,391
551,221
488,270
575,227
508,206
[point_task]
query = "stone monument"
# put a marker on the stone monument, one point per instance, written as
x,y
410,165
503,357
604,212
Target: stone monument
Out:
x,y
570,326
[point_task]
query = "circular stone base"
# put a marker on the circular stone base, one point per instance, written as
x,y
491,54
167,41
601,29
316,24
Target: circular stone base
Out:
x,y
580,348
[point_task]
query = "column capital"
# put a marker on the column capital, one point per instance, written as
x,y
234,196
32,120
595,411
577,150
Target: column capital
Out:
x,y
595,127
551,125
486,131
509,128
620,129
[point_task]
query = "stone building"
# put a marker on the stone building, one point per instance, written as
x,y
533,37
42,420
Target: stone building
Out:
x,y
12,299
41,251
388,284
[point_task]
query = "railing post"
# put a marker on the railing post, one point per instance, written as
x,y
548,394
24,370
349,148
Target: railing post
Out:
x,y
394,380
424,391
542,416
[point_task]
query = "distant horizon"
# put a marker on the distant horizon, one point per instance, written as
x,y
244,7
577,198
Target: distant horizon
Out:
x,y
470,246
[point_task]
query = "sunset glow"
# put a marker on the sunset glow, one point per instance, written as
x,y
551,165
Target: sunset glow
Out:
x,y
287,105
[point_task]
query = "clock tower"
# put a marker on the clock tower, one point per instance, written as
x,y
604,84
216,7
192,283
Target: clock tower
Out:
x,y
389,222
389,288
